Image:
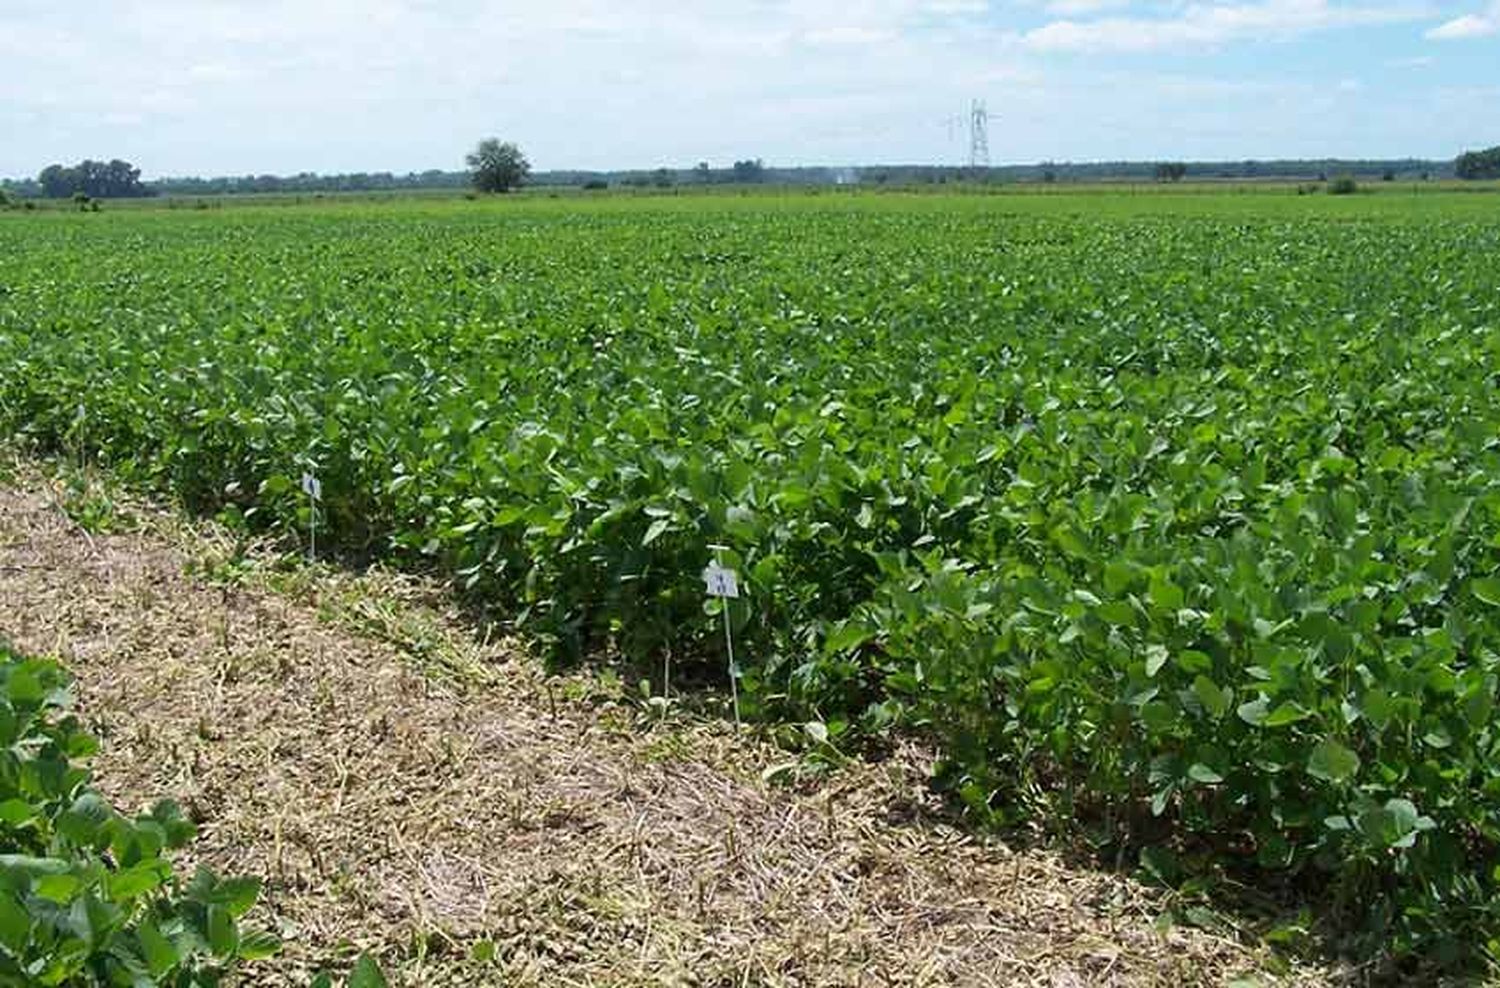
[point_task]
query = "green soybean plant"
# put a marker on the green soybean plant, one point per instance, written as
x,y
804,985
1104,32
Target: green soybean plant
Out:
x,y
1175,521
88,896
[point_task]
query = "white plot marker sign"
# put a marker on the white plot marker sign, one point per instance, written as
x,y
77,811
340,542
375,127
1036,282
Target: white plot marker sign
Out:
x,y
313,488
722,583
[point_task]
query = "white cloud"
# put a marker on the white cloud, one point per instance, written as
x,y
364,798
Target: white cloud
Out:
x,y
1208,25
847,34
234,86
1083,8
1468,26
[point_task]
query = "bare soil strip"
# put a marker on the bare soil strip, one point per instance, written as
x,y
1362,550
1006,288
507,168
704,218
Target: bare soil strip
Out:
x,y
420,815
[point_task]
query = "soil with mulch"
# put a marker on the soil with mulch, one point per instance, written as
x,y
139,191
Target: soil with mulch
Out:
x,y
439,801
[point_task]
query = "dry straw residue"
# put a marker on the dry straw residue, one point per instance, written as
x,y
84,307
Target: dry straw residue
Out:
x,y
406,789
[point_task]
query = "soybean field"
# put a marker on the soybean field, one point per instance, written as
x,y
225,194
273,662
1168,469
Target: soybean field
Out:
x,y
1176,519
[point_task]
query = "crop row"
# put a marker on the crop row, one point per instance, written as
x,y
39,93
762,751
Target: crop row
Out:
x,y
1188,525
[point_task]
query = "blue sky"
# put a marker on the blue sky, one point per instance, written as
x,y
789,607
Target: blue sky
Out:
x,y
282,86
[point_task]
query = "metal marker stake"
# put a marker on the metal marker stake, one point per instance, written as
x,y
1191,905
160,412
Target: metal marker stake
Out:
x,y
314,490
723,584
734,687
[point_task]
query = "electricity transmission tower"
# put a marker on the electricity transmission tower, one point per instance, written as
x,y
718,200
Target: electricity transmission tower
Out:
x,y
979,136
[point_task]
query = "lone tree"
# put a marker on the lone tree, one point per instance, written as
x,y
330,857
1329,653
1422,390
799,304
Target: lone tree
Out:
x,y
496,166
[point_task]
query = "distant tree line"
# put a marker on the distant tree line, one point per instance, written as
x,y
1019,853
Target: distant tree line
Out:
x,y
1479,164
310,182
21,188
753,171
93,179
750,171
117,178
1303,169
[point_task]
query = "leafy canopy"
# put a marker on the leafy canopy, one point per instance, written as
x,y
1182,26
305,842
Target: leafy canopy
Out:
x,y
497,167
88,896
1156,524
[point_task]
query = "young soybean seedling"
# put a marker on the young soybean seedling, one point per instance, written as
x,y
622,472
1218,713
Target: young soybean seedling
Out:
x,y
724,584
313,488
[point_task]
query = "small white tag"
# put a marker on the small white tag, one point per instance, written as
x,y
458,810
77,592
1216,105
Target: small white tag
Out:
x,y
721,582
312,487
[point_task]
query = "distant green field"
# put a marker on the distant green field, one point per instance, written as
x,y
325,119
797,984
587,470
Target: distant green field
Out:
x,y
1171,512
